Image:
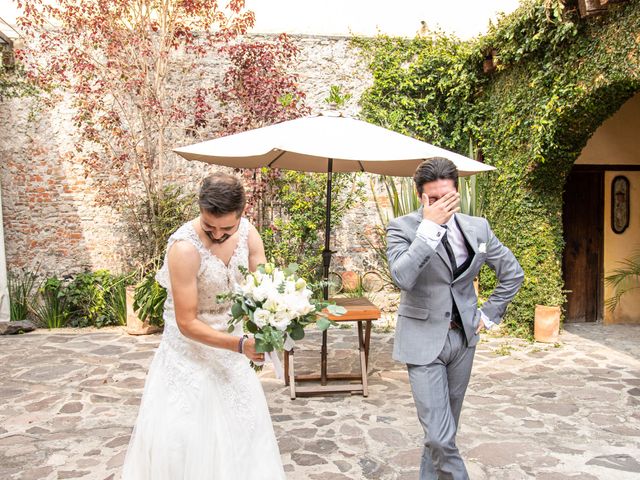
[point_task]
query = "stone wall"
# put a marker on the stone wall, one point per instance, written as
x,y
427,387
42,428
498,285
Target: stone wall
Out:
x,y
52,218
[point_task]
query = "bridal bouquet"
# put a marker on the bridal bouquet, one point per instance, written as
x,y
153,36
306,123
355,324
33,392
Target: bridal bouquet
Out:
x,y
275,305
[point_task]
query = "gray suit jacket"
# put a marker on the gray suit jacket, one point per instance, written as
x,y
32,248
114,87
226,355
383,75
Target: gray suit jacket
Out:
x,y
425,278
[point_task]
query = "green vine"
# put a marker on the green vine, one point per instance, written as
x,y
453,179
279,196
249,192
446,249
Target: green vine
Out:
x,y
557,77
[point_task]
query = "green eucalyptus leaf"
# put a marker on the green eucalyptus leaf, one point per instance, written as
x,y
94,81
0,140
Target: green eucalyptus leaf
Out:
x,y
323,323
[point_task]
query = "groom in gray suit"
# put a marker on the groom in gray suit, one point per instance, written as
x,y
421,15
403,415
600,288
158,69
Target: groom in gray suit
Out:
x,y
434,254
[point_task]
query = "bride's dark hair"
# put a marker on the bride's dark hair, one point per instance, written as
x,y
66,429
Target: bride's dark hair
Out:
x,y
221,193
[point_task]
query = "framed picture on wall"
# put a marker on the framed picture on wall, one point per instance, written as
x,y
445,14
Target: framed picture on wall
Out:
x,y
619,204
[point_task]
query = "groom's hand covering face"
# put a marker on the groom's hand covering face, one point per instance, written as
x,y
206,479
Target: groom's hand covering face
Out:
x,y
440,200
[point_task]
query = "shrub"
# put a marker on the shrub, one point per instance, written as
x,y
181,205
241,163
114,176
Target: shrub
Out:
x,y
21,294
51,310
92,301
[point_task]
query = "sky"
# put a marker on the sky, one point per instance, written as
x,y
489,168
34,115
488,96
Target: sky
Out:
x,y
465,18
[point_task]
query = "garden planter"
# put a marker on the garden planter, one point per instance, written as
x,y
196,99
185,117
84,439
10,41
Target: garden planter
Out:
x,y
350,281
546,327
135,326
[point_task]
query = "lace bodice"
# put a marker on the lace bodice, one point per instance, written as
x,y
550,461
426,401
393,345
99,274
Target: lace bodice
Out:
x,y
189,359
214,276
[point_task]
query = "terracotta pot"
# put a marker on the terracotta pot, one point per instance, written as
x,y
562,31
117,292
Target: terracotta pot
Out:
x,y
546,327
135,326
350,281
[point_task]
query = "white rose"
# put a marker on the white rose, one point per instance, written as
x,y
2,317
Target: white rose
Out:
x,y
298,305
261,317
265,290
301,284
282,320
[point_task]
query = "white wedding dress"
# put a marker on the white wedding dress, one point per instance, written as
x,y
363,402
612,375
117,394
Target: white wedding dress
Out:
x,y
203,414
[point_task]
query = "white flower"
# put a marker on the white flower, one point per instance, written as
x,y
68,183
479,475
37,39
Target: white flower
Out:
x,y
277,275
301,284
247,289
261,317
482,248
271,304
282,320
289,287
297,304
265,290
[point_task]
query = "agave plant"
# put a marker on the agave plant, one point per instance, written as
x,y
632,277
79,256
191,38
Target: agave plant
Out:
x,y
469,190
402,200
51,309
22,293
624,279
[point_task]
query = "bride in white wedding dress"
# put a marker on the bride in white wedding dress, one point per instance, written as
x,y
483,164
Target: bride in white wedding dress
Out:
x,y
203,414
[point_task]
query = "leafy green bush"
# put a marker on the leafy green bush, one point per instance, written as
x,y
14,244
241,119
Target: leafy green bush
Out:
x,y
116,298
95,299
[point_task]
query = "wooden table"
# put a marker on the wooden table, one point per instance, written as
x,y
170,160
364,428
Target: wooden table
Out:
x,y
359,310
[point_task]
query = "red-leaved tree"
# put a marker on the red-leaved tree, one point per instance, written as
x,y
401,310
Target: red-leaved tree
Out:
x,y
259,89
131,67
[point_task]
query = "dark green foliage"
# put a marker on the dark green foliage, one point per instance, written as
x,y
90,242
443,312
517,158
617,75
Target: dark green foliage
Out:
x,y
94,299
13,82
296,234
148,300
558,77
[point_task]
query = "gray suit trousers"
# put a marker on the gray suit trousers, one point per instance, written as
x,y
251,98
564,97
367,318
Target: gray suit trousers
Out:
x,y
438,391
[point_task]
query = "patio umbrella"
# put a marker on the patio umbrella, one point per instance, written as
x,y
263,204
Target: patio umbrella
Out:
x,y
325,143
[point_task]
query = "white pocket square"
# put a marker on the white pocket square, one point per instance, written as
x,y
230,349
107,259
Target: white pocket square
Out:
x,y
482,248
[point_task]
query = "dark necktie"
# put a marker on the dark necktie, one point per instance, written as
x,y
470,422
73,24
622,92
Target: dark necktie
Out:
x,y
447,247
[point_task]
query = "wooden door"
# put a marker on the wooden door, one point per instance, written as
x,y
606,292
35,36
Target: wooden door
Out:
x,y
582,263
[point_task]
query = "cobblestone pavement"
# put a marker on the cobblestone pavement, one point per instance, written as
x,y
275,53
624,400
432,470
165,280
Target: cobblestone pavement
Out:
x,y
564,411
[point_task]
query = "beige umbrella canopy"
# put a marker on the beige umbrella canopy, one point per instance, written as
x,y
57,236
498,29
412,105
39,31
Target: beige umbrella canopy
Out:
x,y
307,144
325,143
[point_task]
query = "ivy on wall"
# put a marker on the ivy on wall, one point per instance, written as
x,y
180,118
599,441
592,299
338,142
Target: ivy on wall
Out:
x,y
557,77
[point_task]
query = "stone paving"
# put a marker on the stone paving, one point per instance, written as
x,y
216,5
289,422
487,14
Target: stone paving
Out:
x,y
564,411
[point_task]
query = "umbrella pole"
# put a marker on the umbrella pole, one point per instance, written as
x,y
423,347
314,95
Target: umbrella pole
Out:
x,y
326,263
326,253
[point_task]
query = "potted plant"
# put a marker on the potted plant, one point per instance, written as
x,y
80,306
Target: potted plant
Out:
x,y
145,306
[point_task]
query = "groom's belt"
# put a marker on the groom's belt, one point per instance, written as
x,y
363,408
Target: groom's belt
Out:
x,y
456,321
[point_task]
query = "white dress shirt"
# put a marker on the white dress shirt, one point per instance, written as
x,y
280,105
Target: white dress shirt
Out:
x,y
432,233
